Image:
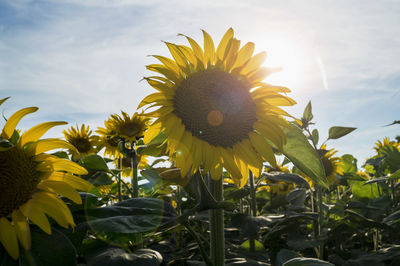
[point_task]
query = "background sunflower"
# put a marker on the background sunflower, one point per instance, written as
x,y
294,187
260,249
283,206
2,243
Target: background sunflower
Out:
x,y
83,140
215,109
31,181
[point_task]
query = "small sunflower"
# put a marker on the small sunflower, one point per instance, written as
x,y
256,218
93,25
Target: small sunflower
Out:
x,y
108,139
214,108
379,145
129,128
278,187
332,165
31,181
82,139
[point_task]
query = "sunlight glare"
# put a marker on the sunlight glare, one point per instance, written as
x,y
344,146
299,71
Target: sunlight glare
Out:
x,y
285,52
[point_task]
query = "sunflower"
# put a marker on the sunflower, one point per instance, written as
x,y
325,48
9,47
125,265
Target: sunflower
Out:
x,y
31,181
332,165
108,138
379,145
277,187
214,108
129,128
82,139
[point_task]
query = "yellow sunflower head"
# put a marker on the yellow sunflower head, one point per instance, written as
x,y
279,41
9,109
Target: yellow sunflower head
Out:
x,y
82,139
332,165
379,145
32,180
109,139
215,108
129,128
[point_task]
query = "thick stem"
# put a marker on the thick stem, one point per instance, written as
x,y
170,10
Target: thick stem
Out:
x,y
119,178
217,239
253,203
134,180
320,220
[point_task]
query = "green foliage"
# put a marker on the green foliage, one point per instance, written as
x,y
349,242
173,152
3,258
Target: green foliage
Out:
x,y
338,132
299,151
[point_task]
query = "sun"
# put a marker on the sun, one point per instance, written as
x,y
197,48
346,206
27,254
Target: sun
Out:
x,y
286,55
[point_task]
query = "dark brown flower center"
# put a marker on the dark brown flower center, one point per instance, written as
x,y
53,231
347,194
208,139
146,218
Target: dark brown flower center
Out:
x,y
328,166
83,145
216,107
18,179
130,129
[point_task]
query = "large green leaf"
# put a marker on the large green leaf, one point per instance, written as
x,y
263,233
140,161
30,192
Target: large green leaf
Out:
x,y
300,152
94,162
49,250
307,262
138,215
338,132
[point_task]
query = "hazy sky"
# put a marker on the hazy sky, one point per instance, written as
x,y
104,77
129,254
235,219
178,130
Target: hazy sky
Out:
x,y
81,60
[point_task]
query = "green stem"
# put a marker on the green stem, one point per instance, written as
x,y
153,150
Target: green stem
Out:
x,y
134,180
320,220
217,239
253,206
203,252
119,178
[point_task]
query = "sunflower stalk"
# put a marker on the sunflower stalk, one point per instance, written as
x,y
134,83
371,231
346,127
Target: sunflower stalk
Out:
x,y
253,203
217,239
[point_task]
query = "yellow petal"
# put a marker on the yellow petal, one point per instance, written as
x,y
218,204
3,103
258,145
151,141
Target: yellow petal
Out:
x,y
48,145
13,121
229,163
198,52
232,54
22,229
188,53
36,215
254,63
221,49
244,55
62,165
36,132
262,147
209,49
152,132
3,100
54,207
149,99
73,180
216,172
168,73
178,56
8,237
62,189
169,63
269,132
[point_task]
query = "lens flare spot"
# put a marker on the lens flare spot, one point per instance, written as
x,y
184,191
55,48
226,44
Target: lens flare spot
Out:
x,y
215,118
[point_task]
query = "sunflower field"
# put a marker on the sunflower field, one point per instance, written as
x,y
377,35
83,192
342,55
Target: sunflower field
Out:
x,y
211,170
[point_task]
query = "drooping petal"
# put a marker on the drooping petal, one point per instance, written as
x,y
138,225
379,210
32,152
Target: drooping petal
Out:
x,y
48,145
34,133
62,189
73,180
22,229
36,215
13,121
8,237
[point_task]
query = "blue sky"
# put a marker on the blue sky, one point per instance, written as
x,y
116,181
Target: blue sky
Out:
x,y
81,60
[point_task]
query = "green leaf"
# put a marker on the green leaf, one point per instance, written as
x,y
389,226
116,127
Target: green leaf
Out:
x,y
349,163
338,132
258,247
115,256
49,250
285,255
292,178
307,114
363,192
299,151
94,162
315,136
138,215
307,262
